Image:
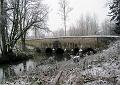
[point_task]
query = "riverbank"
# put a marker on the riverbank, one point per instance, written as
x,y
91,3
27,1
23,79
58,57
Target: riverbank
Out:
x,y
13,58
102,68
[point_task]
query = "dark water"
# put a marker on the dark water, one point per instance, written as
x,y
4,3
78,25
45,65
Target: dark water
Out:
x,y
9,71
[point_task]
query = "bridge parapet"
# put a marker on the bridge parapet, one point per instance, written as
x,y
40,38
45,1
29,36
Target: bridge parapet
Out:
x,y
70,42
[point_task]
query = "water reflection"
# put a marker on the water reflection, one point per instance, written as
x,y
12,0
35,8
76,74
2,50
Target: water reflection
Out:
x,y
1,75
11,72
15,70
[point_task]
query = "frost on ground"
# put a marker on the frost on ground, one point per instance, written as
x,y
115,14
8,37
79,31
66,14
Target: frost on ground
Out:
x,y
102,68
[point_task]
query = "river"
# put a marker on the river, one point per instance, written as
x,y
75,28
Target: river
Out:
x,y
10,73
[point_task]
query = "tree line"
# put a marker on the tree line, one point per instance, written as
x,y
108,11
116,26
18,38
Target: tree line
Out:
x,y
88,25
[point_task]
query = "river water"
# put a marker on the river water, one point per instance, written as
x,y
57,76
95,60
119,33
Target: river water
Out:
x,y
9,73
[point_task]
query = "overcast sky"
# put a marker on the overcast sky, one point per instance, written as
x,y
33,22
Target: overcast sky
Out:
x,y
92,7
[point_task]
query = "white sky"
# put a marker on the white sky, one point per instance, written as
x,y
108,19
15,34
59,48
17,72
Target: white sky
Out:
x,y
80,7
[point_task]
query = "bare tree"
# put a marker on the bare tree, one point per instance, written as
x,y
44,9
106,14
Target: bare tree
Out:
x,y
85,26
31,13
38,30
64,11
80,26
91,25
107,27
59,33
71,31
21,16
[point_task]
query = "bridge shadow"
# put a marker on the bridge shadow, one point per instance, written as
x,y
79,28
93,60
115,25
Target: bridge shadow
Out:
x,y
59,57
75,51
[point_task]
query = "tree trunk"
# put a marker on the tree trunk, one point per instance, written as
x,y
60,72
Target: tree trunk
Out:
x,y
23,42
35,33
22,26
2,30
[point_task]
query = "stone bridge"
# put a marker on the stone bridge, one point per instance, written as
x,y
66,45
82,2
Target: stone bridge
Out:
x,y
71,42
